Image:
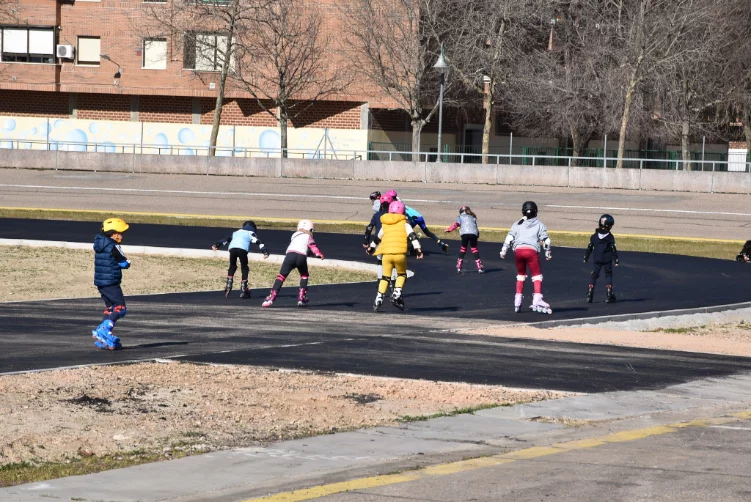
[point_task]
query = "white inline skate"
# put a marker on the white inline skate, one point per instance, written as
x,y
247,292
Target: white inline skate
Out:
x,y
518,302
538,305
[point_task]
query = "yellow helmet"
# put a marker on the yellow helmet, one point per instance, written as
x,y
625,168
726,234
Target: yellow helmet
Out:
x,y
114,225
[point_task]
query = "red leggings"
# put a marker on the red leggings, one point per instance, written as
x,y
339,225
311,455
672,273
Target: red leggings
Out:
x,y
528,257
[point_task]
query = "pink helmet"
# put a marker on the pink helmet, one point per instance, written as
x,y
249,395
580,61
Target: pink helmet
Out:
x,y
392,194
386,199
396,207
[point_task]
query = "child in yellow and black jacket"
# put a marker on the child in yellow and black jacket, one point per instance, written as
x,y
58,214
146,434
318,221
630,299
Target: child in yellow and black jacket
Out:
x,y
392,246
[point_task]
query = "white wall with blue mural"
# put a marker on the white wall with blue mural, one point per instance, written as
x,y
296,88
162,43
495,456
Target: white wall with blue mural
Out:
x,y
29,133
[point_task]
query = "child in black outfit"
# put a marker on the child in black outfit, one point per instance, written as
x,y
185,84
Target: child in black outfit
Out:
x,y
239,243
602,244
745,255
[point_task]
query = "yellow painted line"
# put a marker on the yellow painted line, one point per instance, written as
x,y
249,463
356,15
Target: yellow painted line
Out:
x,y
494,460
340,222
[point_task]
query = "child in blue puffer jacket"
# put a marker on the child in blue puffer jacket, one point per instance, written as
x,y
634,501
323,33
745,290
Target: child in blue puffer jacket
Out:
x,y
109,262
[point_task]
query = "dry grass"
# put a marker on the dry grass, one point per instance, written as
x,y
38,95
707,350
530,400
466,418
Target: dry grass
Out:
x,y
42,273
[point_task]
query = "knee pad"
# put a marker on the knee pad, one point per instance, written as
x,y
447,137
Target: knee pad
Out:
x,y
281,277
385,278
521,278
594,275
304,277
537,278
119,311
475,250
463,249
402,275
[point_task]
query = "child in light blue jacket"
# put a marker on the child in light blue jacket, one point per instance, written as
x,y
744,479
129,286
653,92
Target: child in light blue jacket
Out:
x,y
239,243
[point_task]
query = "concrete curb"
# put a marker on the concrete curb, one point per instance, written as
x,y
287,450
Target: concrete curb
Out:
x,y
188,253
637,316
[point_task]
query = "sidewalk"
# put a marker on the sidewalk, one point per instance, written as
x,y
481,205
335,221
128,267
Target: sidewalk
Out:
x,y
254,472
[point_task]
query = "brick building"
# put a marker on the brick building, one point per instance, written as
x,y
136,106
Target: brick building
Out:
x,y
114,74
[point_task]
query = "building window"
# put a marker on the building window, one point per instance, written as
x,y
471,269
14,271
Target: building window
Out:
x,y
204,51
27,45
88,50
155,54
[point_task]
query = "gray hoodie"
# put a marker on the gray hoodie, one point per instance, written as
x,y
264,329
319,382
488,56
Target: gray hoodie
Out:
x,y
527,233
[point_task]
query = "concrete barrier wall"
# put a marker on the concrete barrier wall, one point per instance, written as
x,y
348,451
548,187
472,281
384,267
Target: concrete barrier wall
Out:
x,y
553,176
100,162
731,183
677,181
331,169
163,164
389,170
21,159
461,173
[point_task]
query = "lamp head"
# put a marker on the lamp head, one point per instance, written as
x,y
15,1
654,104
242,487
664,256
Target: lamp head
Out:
x,y
441,65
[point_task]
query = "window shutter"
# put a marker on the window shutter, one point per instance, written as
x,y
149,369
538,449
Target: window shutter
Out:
x,y
15,41
88,50
41,42
155,54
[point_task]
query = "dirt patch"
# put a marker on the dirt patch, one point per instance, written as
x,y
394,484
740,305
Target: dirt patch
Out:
x,y
181,407
716,338
28,273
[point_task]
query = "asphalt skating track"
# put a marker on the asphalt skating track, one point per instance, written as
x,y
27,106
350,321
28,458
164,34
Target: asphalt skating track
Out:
x,y
339,332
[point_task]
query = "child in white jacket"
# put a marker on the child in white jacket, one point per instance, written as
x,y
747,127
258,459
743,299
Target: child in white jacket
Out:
x,y
300,247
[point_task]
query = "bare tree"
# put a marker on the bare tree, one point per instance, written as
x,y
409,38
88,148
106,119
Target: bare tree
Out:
x,y
393,48
288,61
486,37
562,85
703,75
205,32
650,35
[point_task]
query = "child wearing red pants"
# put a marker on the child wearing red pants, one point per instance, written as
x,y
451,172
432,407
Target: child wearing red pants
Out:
x,y
525,238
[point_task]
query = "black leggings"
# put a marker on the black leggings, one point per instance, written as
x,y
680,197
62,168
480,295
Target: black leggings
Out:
x,y
234,255
608,266
291,262
469,241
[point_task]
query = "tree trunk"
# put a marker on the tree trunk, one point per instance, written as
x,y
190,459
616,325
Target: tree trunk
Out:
x,y
220,91
628,101
416,130
486,129
747,131
576,143
685,153
283,132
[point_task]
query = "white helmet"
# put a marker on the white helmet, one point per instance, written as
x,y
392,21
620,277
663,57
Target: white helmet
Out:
x,y
306,225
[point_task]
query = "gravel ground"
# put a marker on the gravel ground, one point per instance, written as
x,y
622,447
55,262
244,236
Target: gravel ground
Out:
x,y
165,407
726,332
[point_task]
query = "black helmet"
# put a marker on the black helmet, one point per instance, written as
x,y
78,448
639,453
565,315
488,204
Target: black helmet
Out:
x,y
375,195
529,209
249,225
606,223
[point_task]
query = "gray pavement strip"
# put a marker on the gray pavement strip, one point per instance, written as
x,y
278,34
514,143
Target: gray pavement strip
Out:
x,y
246,469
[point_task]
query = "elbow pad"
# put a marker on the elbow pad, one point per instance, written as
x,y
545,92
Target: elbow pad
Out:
x,y
509,240
413,237
546,243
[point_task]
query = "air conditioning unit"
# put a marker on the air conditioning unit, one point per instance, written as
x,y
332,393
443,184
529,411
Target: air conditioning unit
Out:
x,y
65,51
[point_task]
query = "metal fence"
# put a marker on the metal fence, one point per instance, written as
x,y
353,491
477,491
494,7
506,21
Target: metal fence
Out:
x,y
522,156
555,156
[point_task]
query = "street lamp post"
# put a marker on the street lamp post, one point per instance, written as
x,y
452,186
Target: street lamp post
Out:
x,y
442,67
